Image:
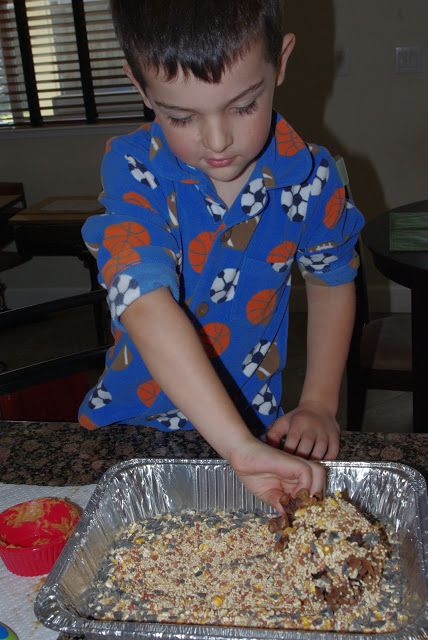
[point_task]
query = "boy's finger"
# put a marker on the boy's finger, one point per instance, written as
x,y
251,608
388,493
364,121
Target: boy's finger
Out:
x,y
320,448
305,446
289,442
304,480
277,431
333,449
318,478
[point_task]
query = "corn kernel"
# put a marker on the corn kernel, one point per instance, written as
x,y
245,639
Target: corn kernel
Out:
x,y
218,601
305,548
139,540
309,586
326,549
299,512
202,547
306,622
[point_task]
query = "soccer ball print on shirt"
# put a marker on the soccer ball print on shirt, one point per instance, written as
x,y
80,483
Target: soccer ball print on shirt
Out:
x,y
141,173
230,266
172,420
254,197
99,397
224,285
295,199
265,402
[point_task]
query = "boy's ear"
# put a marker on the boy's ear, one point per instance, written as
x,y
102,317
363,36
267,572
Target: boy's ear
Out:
x,y
288,43
133,79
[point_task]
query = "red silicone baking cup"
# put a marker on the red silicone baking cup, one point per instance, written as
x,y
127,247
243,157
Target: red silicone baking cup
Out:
x,y
33,534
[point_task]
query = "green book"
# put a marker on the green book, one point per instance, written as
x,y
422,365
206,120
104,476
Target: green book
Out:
x,y
408,231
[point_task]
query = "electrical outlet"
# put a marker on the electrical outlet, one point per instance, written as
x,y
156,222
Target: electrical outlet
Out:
x,y
342,62
408,59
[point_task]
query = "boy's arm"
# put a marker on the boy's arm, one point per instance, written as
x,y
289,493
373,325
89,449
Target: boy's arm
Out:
x,y
173,353
311,429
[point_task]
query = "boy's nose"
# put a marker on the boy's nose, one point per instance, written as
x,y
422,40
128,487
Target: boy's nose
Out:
x,y
217,136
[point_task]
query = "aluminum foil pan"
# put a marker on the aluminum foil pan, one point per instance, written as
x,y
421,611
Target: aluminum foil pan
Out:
x,y
136,489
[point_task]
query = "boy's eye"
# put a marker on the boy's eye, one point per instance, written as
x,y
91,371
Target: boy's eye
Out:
x,y
179,122
248,109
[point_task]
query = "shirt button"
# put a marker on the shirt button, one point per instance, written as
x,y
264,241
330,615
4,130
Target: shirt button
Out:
x,y
202,309
227,235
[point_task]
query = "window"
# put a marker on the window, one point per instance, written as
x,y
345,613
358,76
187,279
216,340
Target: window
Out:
x,y
60,63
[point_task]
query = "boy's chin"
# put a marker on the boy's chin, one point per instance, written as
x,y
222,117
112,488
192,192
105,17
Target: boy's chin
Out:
x,y
230,173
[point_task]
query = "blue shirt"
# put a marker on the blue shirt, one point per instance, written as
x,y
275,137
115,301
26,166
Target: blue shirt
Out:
x,y
165,226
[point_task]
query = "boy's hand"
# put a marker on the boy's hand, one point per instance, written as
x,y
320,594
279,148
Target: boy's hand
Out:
x,y
269,473
309,431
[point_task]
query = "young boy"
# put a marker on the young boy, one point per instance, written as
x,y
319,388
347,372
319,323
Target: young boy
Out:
x,y
206,210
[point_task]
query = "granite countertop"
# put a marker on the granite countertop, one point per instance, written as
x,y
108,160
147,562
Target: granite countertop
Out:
x,y
60,454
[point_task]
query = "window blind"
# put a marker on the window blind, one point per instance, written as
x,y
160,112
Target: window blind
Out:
x,y
60,63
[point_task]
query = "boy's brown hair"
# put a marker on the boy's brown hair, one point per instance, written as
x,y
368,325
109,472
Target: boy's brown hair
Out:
x,y
203,37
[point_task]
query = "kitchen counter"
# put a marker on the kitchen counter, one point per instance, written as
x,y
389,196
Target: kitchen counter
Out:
x,y
60,454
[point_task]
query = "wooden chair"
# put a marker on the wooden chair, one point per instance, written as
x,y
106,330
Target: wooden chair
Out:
x,y
380,355
49,390
12,201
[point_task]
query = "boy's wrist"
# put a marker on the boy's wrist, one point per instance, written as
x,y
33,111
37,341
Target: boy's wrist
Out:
x,y
235,448
319,403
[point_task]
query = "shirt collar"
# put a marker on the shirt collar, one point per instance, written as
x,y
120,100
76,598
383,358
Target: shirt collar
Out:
x,y
286,160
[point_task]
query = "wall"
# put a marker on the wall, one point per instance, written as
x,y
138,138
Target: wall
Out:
x,y
373,116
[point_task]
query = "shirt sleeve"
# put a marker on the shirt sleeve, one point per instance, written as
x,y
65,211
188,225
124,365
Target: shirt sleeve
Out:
x,y
133,242
326,253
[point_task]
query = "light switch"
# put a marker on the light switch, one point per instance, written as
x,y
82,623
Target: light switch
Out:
x,y
408,59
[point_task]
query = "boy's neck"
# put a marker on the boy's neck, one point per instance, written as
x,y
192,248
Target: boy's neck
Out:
x,y
228,191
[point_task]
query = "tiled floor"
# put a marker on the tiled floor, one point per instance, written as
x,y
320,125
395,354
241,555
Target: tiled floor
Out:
x,y
74,331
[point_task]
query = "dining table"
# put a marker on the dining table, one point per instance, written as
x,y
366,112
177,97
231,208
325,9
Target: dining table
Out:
x,y
8,200
409,269
61,454
52,227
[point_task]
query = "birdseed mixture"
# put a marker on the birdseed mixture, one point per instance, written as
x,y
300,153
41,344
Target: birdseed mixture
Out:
x,y
322,565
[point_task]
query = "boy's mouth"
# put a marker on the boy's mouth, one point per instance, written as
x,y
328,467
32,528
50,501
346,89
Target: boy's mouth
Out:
x,y
219,162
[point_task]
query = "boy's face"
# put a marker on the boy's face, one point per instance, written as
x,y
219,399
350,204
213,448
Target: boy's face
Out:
x,y
218,128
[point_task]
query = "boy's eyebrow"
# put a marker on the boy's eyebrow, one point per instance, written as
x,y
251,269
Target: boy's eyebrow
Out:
x,y
251,89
